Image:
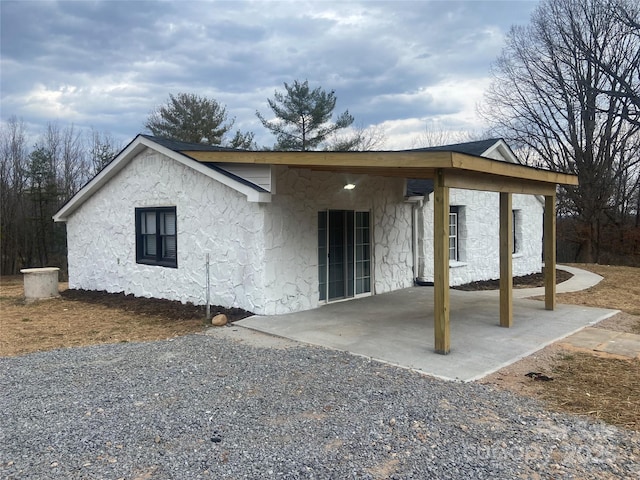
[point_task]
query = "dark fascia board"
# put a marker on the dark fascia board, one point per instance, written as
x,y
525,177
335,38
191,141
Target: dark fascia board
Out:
x,y
133,148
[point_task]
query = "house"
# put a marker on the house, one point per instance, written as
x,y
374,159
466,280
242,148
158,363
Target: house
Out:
x,y
289,231
473,224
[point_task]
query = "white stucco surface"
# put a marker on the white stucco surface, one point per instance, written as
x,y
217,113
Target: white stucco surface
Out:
x,y
291,233
264,256
478,224
211,218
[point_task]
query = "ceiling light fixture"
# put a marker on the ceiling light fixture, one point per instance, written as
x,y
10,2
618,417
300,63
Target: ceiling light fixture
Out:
x,y
349,186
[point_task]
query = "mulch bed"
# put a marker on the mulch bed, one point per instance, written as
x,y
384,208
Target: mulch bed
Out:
x,y
526,281
152,306
185,311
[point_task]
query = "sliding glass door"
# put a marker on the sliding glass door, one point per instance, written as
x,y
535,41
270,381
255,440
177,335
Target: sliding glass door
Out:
x,y
344,254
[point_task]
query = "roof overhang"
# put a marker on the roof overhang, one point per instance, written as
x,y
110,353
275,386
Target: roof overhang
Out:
x,y
459,170
456,170
253,193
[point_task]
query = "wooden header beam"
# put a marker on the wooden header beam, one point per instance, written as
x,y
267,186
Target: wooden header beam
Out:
x,y
407,164
493,183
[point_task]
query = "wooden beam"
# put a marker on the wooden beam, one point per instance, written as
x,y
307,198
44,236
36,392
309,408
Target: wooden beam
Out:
x,y
506,249
400,159
550,252
494,183
462,161
424,173
441,264
411,162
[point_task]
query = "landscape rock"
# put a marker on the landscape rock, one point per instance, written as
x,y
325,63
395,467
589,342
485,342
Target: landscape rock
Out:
x,y
219,320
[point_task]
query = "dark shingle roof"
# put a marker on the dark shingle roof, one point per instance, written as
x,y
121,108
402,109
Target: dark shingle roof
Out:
x,y
471,148
178,146
418,187
415,187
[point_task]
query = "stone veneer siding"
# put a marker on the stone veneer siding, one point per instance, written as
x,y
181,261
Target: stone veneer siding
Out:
x,y
264,256
479,237
291,233
211,218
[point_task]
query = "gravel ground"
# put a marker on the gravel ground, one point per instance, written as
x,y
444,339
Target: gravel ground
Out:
x,y
209,406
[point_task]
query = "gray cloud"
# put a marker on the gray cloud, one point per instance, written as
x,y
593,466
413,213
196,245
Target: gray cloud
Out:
x,y
106,64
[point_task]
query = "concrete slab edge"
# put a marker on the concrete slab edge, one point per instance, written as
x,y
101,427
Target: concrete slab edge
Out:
x,y
544,345
379,360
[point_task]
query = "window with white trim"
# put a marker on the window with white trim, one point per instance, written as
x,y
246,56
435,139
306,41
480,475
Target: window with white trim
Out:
x,y
454,237
156,236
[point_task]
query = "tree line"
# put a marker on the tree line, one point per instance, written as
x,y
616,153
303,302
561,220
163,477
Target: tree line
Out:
x,y
35,181
566,94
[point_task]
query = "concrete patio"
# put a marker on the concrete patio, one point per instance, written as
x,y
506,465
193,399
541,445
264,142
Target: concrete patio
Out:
x,y
397,328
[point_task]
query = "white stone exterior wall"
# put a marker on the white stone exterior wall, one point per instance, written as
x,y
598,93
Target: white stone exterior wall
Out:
x,y
264,256
291,233
478,225
211,218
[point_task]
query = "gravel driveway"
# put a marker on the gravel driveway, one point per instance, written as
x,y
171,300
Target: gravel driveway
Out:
x,y
209,406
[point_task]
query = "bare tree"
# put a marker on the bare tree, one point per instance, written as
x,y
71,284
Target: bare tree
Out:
x,y
621,65
552,97
361,139
34,183
101,149
13,163
435,135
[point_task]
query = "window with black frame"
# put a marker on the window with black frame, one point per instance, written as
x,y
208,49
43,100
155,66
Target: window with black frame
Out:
x,y
156,236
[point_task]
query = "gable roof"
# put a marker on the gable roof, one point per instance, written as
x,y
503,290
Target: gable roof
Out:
x,y
171,149
182,147
489,172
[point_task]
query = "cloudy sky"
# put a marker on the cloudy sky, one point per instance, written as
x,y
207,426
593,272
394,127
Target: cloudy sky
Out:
x,y
399,65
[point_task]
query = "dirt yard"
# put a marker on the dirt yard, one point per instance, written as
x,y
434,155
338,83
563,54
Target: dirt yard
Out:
x,y
84,318
583,383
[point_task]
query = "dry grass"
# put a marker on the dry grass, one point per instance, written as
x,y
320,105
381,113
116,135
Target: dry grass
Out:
x,y
620,289
75,319
589,383
604,388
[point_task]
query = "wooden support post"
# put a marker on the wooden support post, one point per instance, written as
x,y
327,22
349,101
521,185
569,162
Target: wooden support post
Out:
x,y
550,252
441,264
506,270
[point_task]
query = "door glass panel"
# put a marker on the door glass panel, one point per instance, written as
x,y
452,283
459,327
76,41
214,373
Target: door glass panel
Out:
x,y
337,269
344,254
322,254
363,253
350,252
